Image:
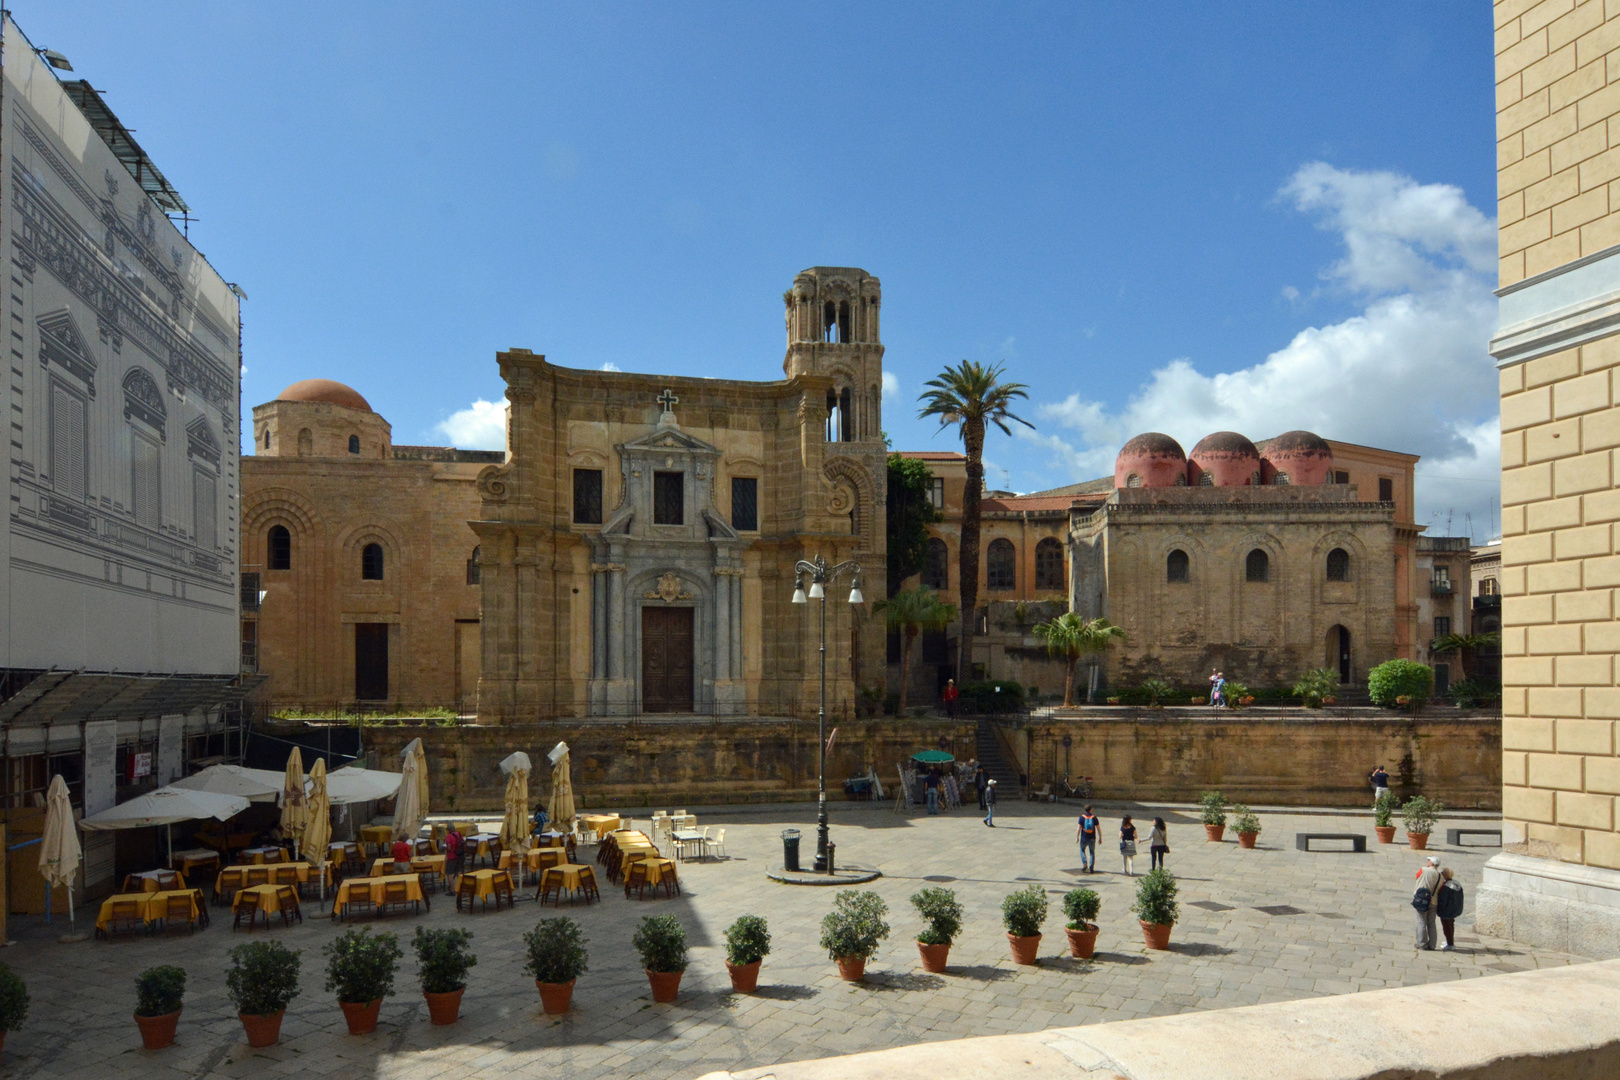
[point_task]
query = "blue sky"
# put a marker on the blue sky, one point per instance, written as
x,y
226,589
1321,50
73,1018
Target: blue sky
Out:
x,y
1249,217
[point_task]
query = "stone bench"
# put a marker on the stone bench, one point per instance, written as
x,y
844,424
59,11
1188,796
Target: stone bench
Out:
x,y
1454,836
1302,841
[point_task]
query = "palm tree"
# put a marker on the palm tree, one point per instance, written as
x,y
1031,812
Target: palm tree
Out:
x,y
1072,637
911,611
1464,645
971,395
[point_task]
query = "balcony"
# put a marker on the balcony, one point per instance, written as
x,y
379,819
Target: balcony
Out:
x,y
1439,586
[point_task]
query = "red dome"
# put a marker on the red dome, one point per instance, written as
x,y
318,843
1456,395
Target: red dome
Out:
x,y
1296,457
327,391
1153,460
1229,459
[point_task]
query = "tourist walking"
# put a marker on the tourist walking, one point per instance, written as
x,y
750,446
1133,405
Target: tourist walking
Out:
x,y
1158,843
990,803
1379,779
1448,905
1428,879
949,696
454,846
1086,832
1127,843
1217,698
931,785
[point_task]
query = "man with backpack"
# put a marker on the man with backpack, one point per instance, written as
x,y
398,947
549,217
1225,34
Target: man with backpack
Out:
x,y
1086,833
1423,903
1448,904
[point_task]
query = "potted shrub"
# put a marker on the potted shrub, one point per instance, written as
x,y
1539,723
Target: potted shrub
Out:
x,y
1023,913
262,979
1155,907
1384,817
13,1002
1418,814
1113,701
1214,814
557,957
1081,906
940,909
158,995
1237,695
662,944
361,968
1403,684
1247,824
1315,688
851,931
748,941
442,961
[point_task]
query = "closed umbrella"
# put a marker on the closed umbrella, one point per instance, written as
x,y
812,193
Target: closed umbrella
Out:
x,y
515,825
562,789
318,830
59,850
294,808
411,804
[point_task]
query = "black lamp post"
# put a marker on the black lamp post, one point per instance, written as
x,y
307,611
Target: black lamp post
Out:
x,y
820,574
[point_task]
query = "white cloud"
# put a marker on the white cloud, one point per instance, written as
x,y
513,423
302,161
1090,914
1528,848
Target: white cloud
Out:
x,y
611,366
891,387
1410,372
1290,293
480,426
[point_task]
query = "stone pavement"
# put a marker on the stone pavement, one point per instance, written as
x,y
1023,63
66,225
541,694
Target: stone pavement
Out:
x,y
1339,923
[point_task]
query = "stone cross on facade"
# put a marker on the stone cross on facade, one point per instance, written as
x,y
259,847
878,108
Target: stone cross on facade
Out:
x,y
668,400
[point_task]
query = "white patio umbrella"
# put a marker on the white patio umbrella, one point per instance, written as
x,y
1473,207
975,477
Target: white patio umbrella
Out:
x,y
59,851
255,785
318,829
294,809
411,805
353,784
515,825
165,806
561,808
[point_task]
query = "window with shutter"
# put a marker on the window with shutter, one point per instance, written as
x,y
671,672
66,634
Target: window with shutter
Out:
x,y
204,509
67,442
146,497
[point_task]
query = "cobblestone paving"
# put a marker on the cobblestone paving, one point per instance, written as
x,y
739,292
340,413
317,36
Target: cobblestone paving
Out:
x,y
1352,931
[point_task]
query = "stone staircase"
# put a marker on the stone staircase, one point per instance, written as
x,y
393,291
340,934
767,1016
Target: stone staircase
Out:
x,y
1354,695
988,751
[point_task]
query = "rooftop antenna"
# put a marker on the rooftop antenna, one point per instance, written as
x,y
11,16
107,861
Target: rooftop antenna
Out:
x,y
1469,517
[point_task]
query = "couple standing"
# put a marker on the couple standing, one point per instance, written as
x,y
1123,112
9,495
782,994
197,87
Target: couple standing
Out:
x,y
1438,895
1090,826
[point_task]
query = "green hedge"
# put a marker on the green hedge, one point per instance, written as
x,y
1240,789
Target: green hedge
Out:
x,y
1400,678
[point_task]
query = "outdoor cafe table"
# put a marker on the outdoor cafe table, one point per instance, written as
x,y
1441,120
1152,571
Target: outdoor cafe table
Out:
x,y
481,842
341,850
186,861
233,877
152,905
485,880
377,885
432,864
657,869
683,837
570,876
151,880
260,855
540,858
553,839
600,823
378,835
265,898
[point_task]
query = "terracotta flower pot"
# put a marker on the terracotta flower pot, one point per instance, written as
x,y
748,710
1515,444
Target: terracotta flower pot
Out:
x,y
1082,943
1417,841
1215,832
262,1030
934,956
665,984
1386,833
1157,935
157,1032
851,968
1330,701
1024,949
444,1008
1247,839
361,1015
554,997
744,977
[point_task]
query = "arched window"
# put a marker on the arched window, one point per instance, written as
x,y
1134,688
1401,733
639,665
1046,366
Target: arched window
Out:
x,y
1001,566
1177,567
1281,480
1338,565
280,548
475,566
306,443
1049,564
371,562
935,572
1133,481
354,444
1206,479
267,438
1257,567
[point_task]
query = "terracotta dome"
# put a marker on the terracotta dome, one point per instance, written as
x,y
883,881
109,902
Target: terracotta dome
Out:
x,y
327,391
1296,457
1227,459
1153,460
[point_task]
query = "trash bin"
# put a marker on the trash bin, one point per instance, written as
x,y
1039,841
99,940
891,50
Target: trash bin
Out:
x,y
831,850
790,849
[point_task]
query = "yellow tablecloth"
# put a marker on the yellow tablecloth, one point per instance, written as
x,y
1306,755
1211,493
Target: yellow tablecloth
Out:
x,y
233,877
571,876
265,856
541,858
600,823
343,849
384,866
376,834
152,905
413,889
262,897
482,841
486,881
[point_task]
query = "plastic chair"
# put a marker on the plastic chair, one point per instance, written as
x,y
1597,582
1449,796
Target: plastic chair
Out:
x,y
719,844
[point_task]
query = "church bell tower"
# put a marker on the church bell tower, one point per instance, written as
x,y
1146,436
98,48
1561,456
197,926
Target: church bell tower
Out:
x,y
832,331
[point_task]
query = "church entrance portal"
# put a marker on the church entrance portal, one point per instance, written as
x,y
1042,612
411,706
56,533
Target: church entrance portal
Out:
x,y
666,659
371,661
1338,652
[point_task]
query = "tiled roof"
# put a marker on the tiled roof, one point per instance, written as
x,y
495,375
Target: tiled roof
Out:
x,y
932,455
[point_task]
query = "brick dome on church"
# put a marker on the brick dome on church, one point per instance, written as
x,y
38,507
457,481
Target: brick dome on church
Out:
x,y
1296,457
1150,460
1224,459
325,391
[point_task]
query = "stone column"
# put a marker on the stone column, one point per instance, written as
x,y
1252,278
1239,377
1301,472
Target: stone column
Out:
x,y
723,629
615,621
